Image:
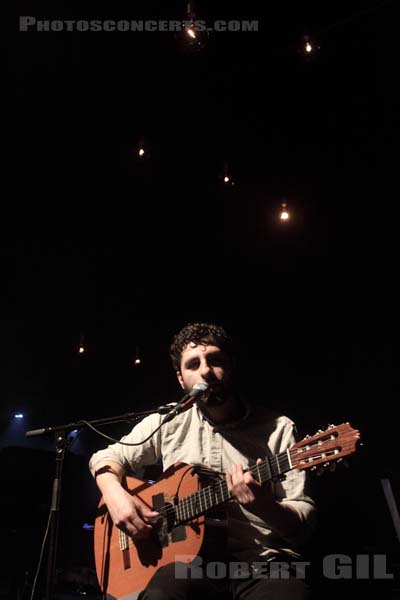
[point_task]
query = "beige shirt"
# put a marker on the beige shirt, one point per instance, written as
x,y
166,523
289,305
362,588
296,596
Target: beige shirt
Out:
x,y
193,439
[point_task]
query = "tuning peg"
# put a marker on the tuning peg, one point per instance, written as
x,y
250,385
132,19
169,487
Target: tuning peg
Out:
x,y
317,433
346,464
331,426
320,471
332,467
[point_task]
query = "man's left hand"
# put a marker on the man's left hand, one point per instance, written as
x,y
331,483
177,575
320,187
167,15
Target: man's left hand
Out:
x,y
245,488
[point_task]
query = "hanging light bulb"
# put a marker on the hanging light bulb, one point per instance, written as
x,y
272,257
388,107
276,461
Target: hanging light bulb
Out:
x,y
191,37
227,177
81,348
141,148
191,31
284,214
309,46
137,360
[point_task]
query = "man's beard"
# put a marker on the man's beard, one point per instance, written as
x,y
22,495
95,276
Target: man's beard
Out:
x,y
214,396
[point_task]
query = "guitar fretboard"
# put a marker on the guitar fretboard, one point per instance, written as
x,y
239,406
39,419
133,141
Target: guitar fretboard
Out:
x,y
213,495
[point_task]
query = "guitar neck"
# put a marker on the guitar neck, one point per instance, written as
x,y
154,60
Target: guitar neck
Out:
x,y
214,495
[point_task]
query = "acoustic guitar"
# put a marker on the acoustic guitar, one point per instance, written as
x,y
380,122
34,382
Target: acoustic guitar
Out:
x,y
124,567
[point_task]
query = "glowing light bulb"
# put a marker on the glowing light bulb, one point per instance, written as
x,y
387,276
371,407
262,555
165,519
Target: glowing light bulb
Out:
x,y
81,347
308,47
191,33
137,360
226,178
284,215
141,151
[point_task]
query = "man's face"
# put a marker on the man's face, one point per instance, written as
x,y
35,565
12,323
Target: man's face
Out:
x,y
206,362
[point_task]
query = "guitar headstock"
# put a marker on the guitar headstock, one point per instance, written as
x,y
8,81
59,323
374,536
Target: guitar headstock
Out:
x,y
325,448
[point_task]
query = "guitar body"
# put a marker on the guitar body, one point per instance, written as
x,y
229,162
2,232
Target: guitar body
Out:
x,y
125,567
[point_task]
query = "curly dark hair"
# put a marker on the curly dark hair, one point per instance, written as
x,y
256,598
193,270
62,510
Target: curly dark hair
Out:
x,y
199,333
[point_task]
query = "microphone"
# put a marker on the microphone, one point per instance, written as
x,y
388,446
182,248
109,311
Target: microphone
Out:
x,y
188,399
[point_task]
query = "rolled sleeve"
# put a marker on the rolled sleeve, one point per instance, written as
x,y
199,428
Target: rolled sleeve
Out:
x,y
133,457
295,488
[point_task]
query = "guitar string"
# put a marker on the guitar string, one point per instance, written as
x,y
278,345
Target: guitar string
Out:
x,y
187,503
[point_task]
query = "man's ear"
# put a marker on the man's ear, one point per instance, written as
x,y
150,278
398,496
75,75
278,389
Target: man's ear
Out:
x,y
180,379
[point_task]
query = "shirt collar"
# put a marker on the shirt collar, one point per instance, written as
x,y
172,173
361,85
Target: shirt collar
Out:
x,y
232,424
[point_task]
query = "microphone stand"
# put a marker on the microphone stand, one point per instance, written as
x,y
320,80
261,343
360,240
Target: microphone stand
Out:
x,y
62,442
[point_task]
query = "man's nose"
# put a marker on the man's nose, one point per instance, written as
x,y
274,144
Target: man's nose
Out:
x,y
206,371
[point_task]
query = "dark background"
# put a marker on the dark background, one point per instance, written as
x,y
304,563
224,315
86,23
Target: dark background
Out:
x,y
125,251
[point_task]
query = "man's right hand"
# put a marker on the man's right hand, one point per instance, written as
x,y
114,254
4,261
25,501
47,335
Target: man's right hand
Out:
x,y
129,513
